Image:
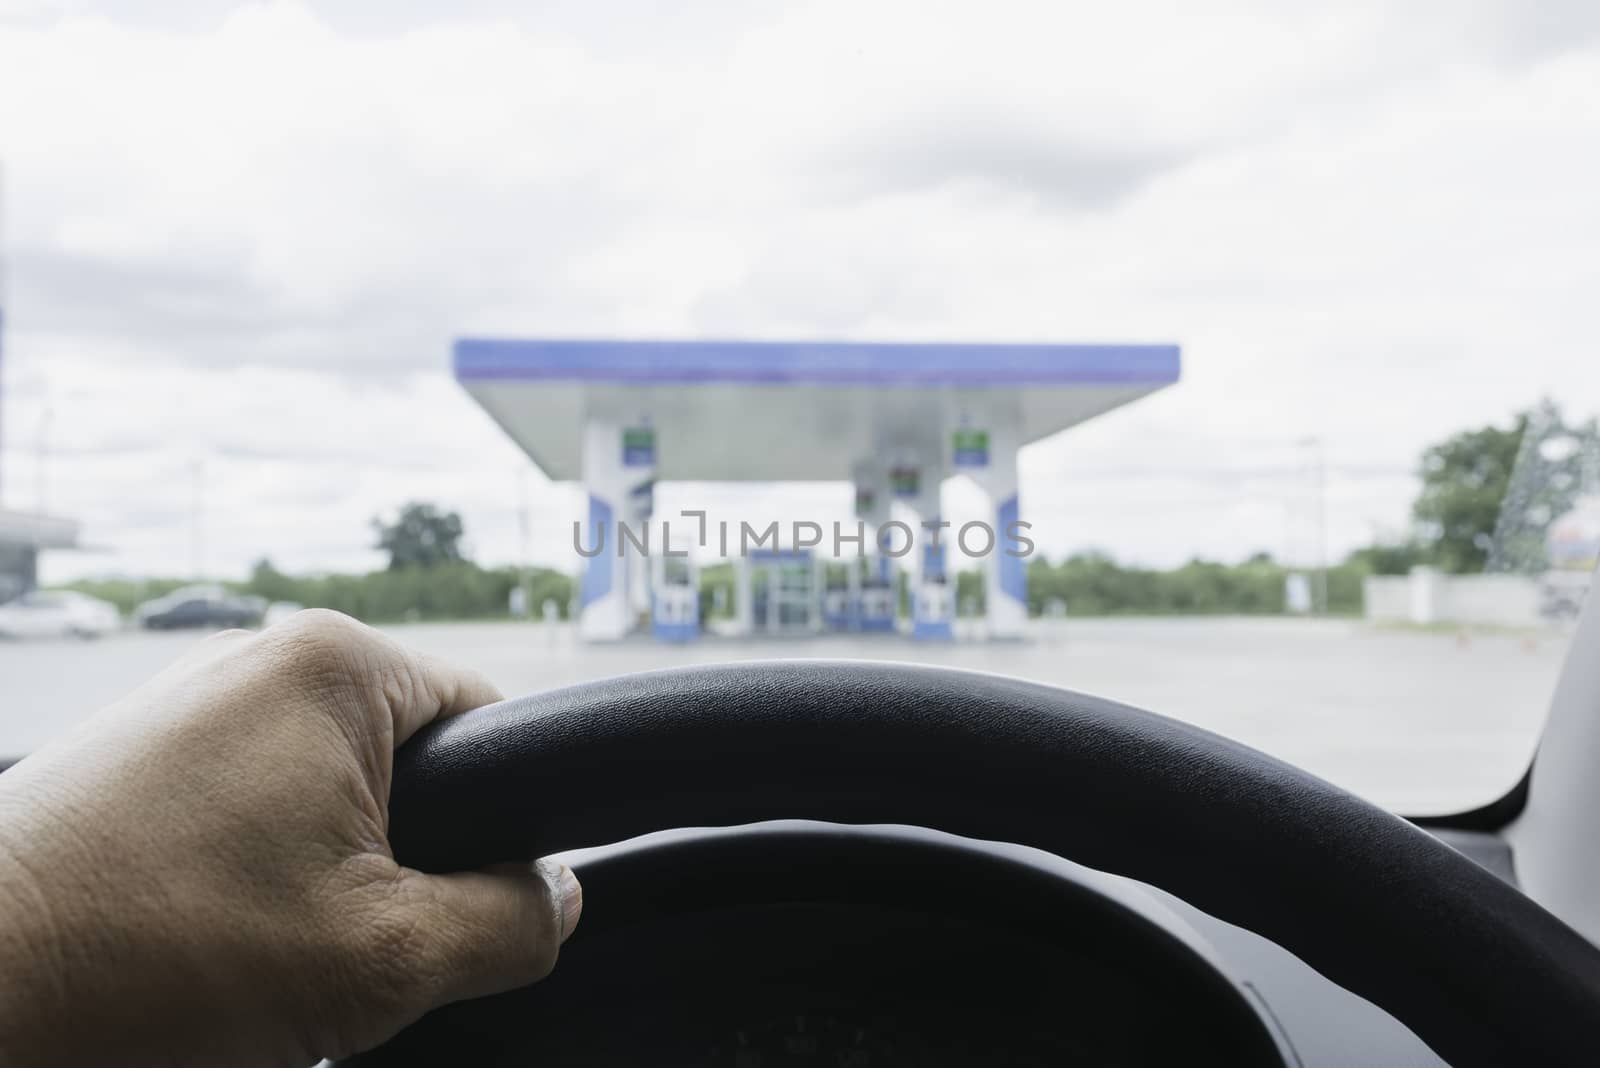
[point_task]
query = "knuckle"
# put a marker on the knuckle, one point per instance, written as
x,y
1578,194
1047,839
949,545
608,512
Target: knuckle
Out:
x,y
325,646
405,683
323,625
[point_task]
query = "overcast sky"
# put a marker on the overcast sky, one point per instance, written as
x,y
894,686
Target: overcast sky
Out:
x,y
240,238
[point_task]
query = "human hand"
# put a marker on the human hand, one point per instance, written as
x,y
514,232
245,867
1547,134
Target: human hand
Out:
x,y
201,874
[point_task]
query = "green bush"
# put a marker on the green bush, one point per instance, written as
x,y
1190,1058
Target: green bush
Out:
x,y
1090,584
126,594
455,589
1093,584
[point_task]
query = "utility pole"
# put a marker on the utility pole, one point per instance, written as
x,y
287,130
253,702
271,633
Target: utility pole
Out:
x,y
197,521
2,331
41,459
524,525
1318,463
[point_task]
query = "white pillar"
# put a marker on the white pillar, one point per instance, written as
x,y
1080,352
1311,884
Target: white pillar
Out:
x,y
619,475
917,480
638,447
1424,594
985,450
874,604
743,599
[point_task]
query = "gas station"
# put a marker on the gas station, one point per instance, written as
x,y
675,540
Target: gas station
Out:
x,y
893,419
23,536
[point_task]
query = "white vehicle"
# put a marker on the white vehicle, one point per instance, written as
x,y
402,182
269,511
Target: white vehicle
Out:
x,y
278,611
58,614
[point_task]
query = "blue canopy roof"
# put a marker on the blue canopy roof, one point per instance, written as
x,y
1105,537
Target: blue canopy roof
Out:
x,y
814,362
792,410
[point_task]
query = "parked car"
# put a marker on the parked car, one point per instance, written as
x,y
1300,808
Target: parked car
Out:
x,y
1561,594
57,614
199,606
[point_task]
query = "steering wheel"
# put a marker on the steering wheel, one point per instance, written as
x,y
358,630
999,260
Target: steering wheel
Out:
x,y
1480,972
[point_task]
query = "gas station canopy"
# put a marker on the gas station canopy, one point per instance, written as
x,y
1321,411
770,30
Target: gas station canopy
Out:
x,y
893,419
781,410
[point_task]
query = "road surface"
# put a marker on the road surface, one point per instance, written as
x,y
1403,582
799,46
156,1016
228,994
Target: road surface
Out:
x,y
1420,722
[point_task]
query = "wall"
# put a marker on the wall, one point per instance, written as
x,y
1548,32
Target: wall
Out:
x,y
1387,598
1429,596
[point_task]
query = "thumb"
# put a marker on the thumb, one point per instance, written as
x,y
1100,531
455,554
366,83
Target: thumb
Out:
x,y
481,932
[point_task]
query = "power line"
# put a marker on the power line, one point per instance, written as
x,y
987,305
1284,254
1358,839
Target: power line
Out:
x,y
2,330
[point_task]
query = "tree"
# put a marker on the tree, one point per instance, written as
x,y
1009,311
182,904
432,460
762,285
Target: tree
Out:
x,y
1489,495
1464,479
267,581
422,536
1557,463
1388,558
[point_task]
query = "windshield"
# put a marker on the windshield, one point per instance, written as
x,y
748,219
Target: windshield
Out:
x,y
1236,365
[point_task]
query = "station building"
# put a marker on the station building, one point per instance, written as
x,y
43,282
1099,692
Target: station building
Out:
x,y
23,535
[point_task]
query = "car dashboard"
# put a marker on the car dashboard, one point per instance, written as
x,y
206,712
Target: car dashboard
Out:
x,y
815,944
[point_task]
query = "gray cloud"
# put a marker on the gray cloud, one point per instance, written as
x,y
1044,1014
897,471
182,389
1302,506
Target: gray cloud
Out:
x,y
187,311
214,308
1529,32
1058,166
612,27
200,297
843,300
1370,223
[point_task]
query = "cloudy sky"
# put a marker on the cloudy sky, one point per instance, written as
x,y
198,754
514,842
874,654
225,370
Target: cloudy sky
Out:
x,y
240,238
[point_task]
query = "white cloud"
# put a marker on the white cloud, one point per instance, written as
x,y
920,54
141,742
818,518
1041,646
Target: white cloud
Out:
x,y
246,234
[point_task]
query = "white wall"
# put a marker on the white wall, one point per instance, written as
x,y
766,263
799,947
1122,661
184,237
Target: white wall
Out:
x,y
1428,596
1387,598
1490,599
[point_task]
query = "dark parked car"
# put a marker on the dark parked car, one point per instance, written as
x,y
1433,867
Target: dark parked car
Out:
x,y
199,606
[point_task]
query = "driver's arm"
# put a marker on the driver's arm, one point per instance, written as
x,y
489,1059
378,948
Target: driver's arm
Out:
x,y
201,874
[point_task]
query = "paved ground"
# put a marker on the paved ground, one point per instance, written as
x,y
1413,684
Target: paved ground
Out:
x,y
1416,721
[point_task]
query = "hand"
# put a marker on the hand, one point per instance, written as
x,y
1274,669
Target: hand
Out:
x,y
201,874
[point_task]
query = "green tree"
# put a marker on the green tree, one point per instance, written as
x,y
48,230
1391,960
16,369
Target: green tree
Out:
x,y
1094,584
1396,558
267,581
422,536
454,589
1464,479
1489,495
126,593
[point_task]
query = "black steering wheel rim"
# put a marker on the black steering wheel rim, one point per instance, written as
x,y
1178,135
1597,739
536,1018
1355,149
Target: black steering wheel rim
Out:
x,y
1479,971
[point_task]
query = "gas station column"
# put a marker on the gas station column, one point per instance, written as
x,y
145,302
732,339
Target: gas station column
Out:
x,y
917,480
744,614
870,480
984,448
874,601
619,466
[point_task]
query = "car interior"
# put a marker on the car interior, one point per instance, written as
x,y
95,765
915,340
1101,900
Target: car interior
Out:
x,y
635,358
856,863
